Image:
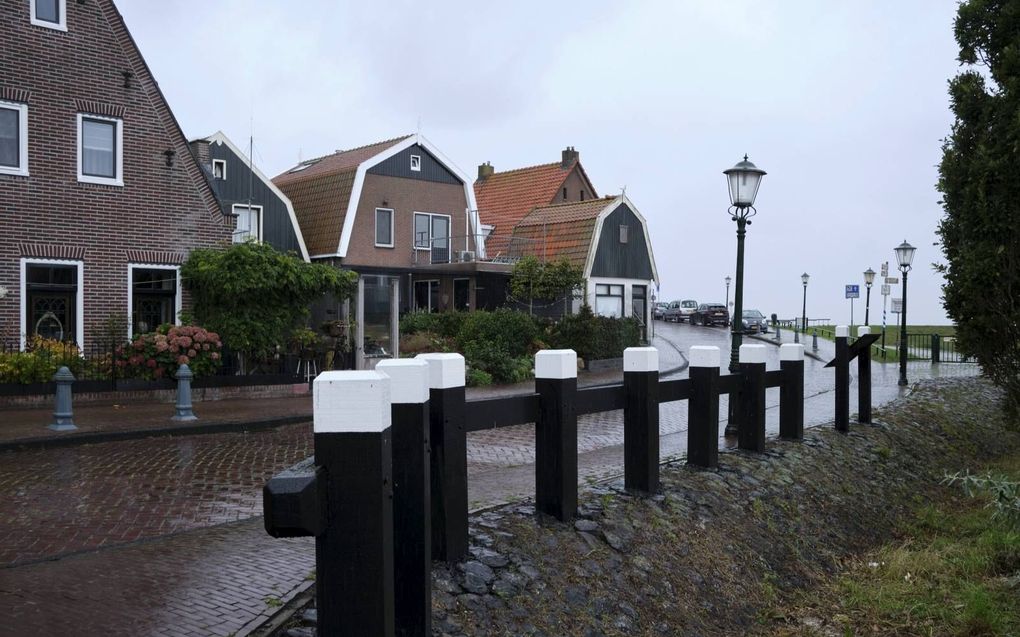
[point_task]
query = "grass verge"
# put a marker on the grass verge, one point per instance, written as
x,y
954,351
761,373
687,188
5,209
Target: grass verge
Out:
x,y
955,571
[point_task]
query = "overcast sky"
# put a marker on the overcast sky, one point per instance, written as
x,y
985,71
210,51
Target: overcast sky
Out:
x,y
844,104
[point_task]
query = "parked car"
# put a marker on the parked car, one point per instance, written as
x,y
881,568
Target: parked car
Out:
x,y
672,312
711,314
659,311
687,307
754,322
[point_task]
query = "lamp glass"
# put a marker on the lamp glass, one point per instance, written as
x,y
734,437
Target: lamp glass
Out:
x,y
905,254
804,278
744,179
869,276
728,280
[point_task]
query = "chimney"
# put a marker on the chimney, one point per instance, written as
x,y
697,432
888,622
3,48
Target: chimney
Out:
x,y
485,170
570,156
200,149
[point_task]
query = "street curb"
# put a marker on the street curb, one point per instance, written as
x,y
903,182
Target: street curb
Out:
x,y
772,341
35,444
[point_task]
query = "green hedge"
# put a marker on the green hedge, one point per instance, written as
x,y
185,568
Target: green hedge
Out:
x,y
595,337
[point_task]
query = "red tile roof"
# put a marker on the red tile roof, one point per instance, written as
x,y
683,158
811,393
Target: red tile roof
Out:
x,y
561,230
321,192
505,198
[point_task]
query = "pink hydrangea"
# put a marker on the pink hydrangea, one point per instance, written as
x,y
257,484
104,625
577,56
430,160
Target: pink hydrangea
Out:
x,y
192,353
205,347
151,362
215,356
182,360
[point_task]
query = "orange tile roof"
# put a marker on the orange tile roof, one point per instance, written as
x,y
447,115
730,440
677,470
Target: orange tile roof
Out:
x,y
321,192
505,198
561,230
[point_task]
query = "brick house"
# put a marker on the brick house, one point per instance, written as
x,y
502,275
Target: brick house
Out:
x,y
401,215
100,198
248,199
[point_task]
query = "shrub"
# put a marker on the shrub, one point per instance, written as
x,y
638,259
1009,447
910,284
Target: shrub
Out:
x,y
478,378
445,324
499,343
594,337
40,361
159,354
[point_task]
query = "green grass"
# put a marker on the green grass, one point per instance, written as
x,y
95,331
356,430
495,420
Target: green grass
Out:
x,y
892,337
954,573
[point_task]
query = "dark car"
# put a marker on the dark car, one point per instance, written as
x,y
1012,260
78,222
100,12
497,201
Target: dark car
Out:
x,y
711,314
753,322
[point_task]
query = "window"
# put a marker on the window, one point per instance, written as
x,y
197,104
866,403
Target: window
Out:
x,y
153,297
13,138
52,299
383,227
248,223
219,168
609,300
564,194
416,163
582,194
100,147
51,14
432,232
624,233
426,296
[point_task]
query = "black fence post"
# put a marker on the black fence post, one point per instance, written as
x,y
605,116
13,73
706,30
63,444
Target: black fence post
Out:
x,y
354,554
448,470
703,408
412,526
864,380
751,435
641,419
814,341
556,433
842,415
936,348
791,392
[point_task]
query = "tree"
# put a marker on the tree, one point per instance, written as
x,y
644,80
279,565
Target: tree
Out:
x,y
254,296
533,279
978,179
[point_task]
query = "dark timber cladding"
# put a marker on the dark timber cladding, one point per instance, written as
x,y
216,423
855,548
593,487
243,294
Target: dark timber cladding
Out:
x,y
400,166
240,185
622,260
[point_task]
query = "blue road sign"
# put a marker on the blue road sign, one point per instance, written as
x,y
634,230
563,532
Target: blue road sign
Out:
x,y
853,291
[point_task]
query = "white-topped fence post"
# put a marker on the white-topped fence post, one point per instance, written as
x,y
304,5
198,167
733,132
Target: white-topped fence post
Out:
x,y
751,434
842,410
556,434
791,391
412,526
703,408
864,379
641,419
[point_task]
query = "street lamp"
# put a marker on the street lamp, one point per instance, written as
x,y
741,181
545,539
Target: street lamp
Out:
x,y
743,179
728,280
803,311
904,256
869,278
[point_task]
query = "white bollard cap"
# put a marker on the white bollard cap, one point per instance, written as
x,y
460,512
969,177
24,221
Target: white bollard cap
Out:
x,y
351,402
640,359
704,356
752,354
842,331
556,364
791,352
445,370
409,379
864,330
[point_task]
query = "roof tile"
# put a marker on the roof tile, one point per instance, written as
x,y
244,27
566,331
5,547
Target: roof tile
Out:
x,y
561,230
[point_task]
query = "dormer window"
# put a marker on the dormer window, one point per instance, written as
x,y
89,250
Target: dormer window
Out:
x,y
219,168
416,163
51,14
624,233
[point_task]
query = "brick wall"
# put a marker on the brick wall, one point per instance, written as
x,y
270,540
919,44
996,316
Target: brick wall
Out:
x,y
158,215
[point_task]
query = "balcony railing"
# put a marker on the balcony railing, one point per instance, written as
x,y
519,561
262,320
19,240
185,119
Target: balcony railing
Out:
x,y
506,249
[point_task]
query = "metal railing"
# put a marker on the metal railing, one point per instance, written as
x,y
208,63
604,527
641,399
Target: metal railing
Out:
x,y
506,249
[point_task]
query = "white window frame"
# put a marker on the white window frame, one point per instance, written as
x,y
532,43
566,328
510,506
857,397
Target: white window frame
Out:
x,y
79,318
56,26
376,236
118,149
624,233
233,212
431,240
416,163
21,169
178,301
219,162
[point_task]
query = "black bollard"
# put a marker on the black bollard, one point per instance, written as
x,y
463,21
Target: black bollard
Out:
x,y
641,419
354,554
751,435
412,530
791,392
936,348
842,415
864,380
556,434
448,471
703,408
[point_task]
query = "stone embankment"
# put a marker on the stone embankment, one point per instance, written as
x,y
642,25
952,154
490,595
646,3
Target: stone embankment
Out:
x,y
713,548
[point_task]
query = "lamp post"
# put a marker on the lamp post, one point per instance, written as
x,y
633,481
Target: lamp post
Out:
x,y
743,179
803,310
869,278
728,281
904,256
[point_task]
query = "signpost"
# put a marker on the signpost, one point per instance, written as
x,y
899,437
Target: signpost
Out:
x,y
853,291
885,294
